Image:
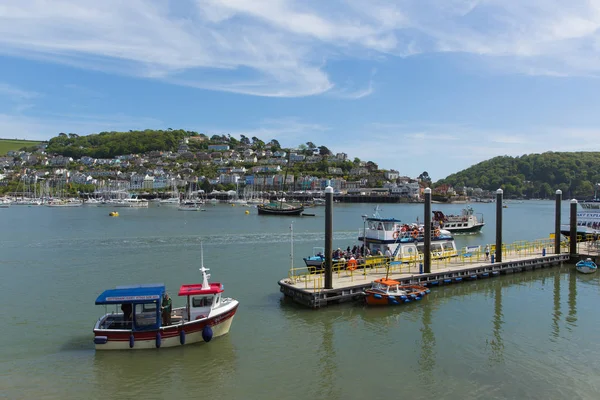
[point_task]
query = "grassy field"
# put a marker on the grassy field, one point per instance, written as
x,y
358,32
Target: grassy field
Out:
x,y
7,145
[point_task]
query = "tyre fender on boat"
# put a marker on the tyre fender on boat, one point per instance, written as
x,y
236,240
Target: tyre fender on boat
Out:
x,y
131,341
182,337
158,340
207,333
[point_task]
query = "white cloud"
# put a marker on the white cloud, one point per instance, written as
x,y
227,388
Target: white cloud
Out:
x,y
281,47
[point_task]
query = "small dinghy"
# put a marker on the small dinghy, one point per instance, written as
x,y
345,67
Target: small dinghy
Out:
x,y
586,266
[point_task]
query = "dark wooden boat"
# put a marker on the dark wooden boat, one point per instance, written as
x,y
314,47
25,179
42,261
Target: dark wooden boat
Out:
x,y
279,209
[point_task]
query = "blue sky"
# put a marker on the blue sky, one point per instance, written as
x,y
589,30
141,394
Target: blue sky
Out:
x,y
413,85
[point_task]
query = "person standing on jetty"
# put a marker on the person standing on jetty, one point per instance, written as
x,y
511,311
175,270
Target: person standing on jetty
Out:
x,y
166,310
487,251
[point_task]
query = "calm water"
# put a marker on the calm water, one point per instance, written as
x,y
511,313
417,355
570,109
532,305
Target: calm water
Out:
x,y
531,335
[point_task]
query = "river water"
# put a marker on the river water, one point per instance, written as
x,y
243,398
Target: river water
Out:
x,y
531,335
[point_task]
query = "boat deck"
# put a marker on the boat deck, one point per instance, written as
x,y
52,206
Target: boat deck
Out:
x,y
307,288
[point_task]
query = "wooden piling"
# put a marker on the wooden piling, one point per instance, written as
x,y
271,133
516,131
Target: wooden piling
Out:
x,y
499,204
328,237
573,229
557,215
427,232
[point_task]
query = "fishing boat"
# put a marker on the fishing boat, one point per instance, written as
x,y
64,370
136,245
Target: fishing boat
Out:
x,y
386,291
466,222
586,266
405,242
140,324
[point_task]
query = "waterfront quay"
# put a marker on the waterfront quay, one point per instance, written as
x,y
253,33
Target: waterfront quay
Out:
x,y
305,285
336,282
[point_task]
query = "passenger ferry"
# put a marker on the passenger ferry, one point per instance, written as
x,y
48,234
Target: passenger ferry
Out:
x,y
405,242
588,220
467,222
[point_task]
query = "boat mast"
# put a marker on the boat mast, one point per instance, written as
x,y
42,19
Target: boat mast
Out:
x,y
205,276
292,245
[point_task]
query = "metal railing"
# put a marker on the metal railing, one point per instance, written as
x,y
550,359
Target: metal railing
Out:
x,y
312,278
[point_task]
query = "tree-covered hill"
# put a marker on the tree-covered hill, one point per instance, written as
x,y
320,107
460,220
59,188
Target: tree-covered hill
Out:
x,y
110,144
533,175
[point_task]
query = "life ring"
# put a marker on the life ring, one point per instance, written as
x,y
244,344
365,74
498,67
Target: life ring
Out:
x,y
352,264
415,233
395,235
436,233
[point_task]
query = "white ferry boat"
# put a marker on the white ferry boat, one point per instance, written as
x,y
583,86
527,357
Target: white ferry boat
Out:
x,y
588,220
405,241
466,222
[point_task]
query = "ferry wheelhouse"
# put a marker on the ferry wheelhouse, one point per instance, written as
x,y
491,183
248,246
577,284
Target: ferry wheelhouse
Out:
x,y
467,222
405,241
137,322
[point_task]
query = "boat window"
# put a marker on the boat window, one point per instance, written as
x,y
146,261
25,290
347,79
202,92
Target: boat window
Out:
x,y
448,246
203,301
436,247
389,226
145,315
420,247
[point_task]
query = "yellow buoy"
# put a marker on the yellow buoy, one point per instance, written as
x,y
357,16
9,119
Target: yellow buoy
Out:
x,y
247,212
233,205
113,214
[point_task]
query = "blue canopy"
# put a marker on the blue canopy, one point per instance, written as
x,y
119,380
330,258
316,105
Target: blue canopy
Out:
x,y
132,294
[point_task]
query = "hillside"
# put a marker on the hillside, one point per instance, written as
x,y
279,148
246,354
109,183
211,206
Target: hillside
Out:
x,y
7,145
533,175
110,144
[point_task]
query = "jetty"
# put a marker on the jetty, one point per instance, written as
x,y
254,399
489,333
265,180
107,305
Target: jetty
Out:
x,y
335,283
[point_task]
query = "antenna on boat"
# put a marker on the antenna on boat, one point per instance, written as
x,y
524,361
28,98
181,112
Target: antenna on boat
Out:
x,y
292,245
205,276
376,213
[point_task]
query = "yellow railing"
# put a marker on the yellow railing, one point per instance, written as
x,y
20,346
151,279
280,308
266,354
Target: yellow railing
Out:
x,y
312,278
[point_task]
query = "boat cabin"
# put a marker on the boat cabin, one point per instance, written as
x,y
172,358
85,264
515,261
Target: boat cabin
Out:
x,y
139,307
201,299
405,241
385,285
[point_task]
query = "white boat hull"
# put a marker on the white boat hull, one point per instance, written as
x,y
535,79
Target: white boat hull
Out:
x,y
586,270
196,337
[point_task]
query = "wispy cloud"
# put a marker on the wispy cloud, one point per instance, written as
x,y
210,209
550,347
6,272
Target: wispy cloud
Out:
x,y
16,94
281,47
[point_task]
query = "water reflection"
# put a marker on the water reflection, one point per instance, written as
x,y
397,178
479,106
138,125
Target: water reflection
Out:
x,y
497,343
572,300
327,363
144,373
556,309
427,359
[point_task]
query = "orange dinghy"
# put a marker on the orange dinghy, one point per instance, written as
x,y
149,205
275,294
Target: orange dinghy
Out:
x,y
387,292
